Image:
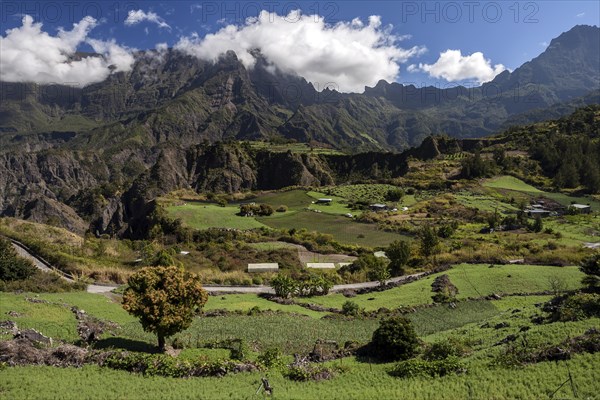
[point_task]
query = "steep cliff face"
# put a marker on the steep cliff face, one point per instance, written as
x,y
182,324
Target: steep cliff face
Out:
x,y
35,186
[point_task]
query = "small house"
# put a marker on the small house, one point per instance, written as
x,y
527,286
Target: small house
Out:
x,y
538,212
320,265
581,208
378,207
263,267
380,254
323,201
344,264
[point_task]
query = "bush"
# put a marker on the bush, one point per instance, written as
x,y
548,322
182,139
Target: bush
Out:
x,y
418,367
271,358
13,267
579,306
591,268
164,365
445,349
445,291
282,209
306,372
395,339
42,282
350,308
284,286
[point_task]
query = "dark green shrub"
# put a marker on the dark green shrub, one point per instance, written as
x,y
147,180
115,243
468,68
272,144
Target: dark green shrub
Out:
x,y
239,350
13,267
418,367
271,358
284,286
395,339
445,349
350,308
42,282
591,268
164,365
445,291
579,306
308,372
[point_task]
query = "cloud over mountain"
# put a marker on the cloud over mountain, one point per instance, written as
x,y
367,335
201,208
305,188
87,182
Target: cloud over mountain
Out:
x,y
32,55
134,17
347,55
453,66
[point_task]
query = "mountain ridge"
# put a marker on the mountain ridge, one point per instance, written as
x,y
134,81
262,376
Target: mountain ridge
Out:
x,y
85,156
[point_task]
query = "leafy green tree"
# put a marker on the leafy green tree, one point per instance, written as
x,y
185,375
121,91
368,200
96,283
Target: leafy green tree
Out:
x,y
394,194
538,224
567,176
475,167
429,241
395,339
163,259
499,156
399,253
13,267
165,299
380,271
590,266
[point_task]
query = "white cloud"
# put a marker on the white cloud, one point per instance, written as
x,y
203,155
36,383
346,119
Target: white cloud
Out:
x,y
351,55
31,55
580,15
453,66
134,17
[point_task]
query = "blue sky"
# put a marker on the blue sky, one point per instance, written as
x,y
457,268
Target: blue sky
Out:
x,y
506,33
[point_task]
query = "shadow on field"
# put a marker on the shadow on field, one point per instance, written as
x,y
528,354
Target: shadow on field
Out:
x,y
125,344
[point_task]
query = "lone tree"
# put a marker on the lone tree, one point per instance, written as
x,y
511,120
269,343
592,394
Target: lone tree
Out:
x,y
590,266
380,271
165,300
395,339
429,241
399,253
445,291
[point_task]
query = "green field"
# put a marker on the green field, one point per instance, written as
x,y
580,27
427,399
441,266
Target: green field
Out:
x,y
294,199
338,206
204,216
483,203
295,329
301,148
472,280
360,379
363,381
517,185
511,183
343,229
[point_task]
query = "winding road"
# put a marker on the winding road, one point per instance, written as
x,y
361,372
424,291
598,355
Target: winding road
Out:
x,y
45,266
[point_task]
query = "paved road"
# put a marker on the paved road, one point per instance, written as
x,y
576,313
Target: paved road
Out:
x,y
24,252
